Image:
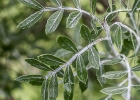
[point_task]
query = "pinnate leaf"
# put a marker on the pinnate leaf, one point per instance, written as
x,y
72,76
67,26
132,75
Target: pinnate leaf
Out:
x,y
36,63
67,44
93,58
53,88
68,80
136,68
53,21
57,2
31,3
30,78
114,74
77,4
81,69
114,90
73,19
50,60
113,61
137,87
31,20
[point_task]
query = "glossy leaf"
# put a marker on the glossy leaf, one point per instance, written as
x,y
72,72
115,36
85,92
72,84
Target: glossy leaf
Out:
x,y
66,43
53,21
118,38
93,6
136,5
68,80
113,61
31,20
81,70
114,90
53,88
137,87
77,3
93,58
68,96
31,3
30,78
99,74
44,89
83,86
50,60
36,63
57,2
73,19
114,74
136,68
85,33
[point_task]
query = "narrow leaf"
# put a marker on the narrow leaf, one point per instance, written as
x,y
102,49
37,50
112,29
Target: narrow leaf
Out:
x,y
73,19
31,20
50,60
114,90
66,43
32,3
135,5
57,2
81,70
136,54
93,5
113,61
93,58
37,64
85,33
30,78
44,89
99,74
77,4
53,88
68,80
137,87
95,32
110,4
53,21
60,73
136,68
114,74
68,96
83,86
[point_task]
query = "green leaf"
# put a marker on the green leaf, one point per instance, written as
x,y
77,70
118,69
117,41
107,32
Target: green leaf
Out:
x,y
113,8
93,58
85,33
104,98
44,89
66,43
136,54
68,80
113,61
95,34
81,69
93,5
114,90
50,60
57,2
99,74
77,4
83,86
53,88
30,78
93,24
73,19
32,3
53,21
37,82
118,38
136,68
31,20
137,87
110,4
35,63
114,74
60,73
68,96
135,5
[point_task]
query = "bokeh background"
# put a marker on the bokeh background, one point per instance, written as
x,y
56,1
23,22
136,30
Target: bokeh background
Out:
x,y
18,44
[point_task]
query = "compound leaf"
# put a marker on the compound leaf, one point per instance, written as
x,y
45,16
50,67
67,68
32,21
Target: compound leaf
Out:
x,y
137,87
44,90
136,68
113,61
57,2
77,4
93,5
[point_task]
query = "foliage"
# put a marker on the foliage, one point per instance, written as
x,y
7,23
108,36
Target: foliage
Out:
x,y
77,65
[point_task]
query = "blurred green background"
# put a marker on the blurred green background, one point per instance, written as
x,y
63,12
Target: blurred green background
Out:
x,y
17,44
